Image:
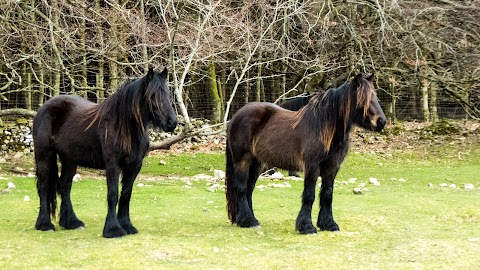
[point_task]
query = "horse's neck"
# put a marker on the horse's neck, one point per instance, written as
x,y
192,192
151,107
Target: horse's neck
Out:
x,y
342,133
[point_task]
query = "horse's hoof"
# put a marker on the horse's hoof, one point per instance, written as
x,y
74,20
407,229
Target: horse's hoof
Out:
x,y
114,233
130,229
45,227
248,223
309,230
71,223
331,228
305,228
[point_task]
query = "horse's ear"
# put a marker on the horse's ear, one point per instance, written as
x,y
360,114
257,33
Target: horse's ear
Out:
x,y
371,77
150,73
164,73
358,79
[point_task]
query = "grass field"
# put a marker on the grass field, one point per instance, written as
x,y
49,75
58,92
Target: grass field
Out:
x,y
397,225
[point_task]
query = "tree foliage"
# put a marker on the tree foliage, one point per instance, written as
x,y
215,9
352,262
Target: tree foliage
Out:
x,y
421,51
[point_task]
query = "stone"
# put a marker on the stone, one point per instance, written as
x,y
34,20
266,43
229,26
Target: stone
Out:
x,y
77,177
374,181
277,175
219,174
357,191
469,186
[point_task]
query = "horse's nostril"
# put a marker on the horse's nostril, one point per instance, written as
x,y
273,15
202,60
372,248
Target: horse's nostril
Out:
x,y
381,122
172,123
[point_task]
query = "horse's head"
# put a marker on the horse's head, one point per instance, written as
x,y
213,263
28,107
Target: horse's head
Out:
x,y
157,97
368,112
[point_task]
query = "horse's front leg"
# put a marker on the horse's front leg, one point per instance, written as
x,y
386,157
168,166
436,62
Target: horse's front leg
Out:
x,y
112,227
325,218
129,175
304,220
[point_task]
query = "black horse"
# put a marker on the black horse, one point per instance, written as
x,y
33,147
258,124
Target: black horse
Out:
x,y
295,104
315,139
112,135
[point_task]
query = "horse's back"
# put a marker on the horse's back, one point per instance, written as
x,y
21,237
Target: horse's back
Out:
x,y
252,117
57,110
267,132
62,125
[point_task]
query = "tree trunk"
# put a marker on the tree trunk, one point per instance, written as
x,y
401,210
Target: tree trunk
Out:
x,y
41,88
424,83
214,94
57,65
259,84
392,104
433,102
84,82
28,94
143,36
101,61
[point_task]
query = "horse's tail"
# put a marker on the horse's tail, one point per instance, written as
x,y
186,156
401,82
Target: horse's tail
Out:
x,y
231,192
52,187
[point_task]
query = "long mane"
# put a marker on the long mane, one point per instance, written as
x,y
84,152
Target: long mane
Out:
x,y
331,113
124,113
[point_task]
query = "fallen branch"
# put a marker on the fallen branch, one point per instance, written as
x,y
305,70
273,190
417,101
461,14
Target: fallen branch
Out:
x,y
18,112
166,144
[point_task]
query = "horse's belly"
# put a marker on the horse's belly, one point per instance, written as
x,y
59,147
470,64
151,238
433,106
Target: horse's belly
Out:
x,y
92,162
281,153
87,155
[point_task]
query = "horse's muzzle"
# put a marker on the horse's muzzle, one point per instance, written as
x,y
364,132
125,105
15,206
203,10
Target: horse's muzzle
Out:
x,y
381,122
171,124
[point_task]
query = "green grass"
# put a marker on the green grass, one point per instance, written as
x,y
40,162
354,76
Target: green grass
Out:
x,y
398,225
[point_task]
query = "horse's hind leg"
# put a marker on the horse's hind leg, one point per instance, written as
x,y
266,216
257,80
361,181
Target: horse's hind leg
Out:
x,y
47,174
244,189
68,219
254,173
129,175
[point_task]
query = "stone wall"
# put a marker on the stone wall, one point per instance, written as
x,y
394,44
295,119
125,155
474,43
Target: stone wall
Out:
x,y
16,136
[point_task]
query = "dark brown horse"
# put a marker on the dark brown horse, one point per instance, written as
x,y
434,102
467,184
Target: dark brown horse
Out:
x,y
112,135
314,139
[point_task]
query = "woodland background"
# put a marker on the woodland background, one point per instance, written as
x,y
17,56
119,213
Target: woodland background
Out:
x,y
222,54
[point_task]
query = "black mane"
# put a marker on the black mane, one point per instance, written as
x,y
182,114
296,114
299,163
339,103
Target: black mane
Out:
x,y
125,111
331,112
